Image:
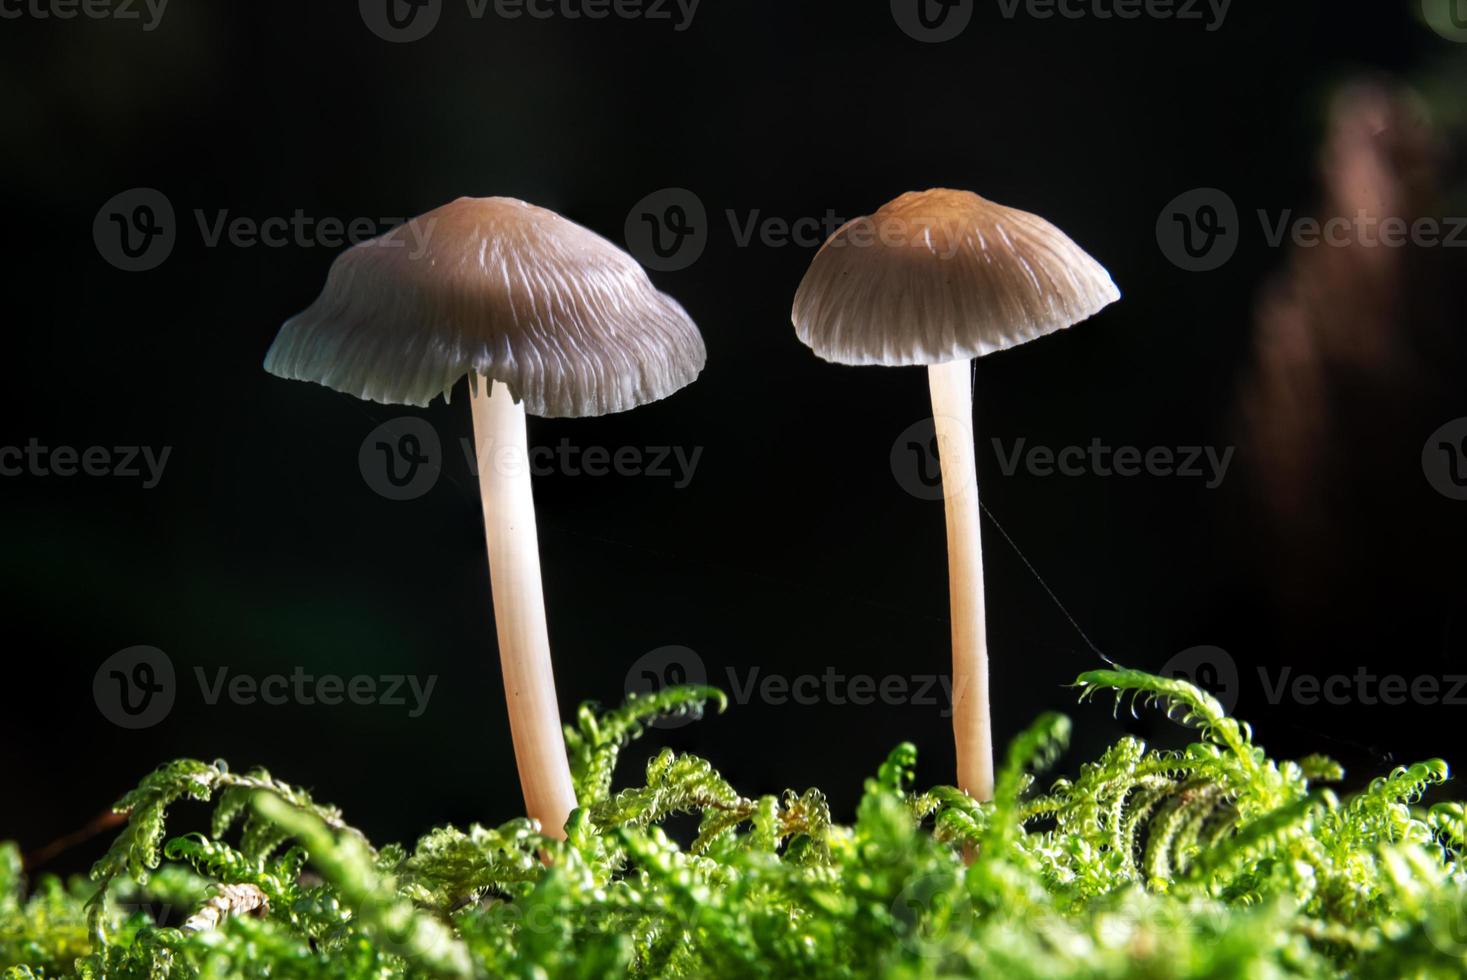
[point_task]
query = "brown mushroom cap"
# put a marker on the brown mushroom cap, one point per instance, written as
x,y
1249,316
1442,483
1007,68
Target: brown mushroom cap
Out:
x,y
499,288
943,275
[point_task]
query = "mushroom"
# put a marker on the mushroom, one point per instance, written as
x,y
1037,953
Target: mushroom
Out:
x,y
937,278
559,323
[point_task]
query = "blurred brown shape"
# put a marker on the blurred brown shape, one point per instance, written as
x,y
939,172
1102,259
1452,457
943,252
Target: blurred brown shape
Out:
x,y
43,856
1342,368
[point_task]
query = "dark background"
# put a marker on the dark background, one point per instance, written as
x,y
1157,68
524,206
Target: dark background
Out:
x,y
794,548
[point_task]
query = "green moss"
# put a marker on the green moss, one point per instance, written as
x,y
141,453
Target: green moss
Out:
x,y
1214,861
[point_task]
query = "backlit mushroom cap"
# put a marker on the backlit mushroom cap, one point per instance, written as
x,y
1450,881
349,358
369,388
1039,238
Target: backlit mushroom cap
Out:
x,y
942,275
494,287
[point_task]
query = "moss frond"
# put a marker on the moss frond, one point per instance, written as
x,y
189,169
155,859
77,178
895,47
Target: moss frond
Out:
x,y
1211,861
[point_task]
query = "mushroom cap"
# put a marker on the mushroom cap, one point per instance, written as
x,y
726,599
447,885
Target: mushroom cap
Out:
x,y
494,287
943,275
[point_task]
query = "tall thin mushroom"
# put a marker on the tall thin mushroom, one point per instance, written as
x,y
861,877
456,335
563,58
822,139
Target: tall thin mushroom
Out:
x,y
938,278
543,317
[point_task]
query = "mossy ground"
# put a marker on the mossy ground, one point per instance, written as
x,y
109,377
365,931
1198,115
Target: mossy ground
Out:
x,y
1215,861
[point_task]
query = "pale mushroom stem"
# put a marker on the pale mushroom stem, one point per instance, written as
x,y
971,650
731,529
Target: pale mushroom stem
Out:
x,y
952,413
519,605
